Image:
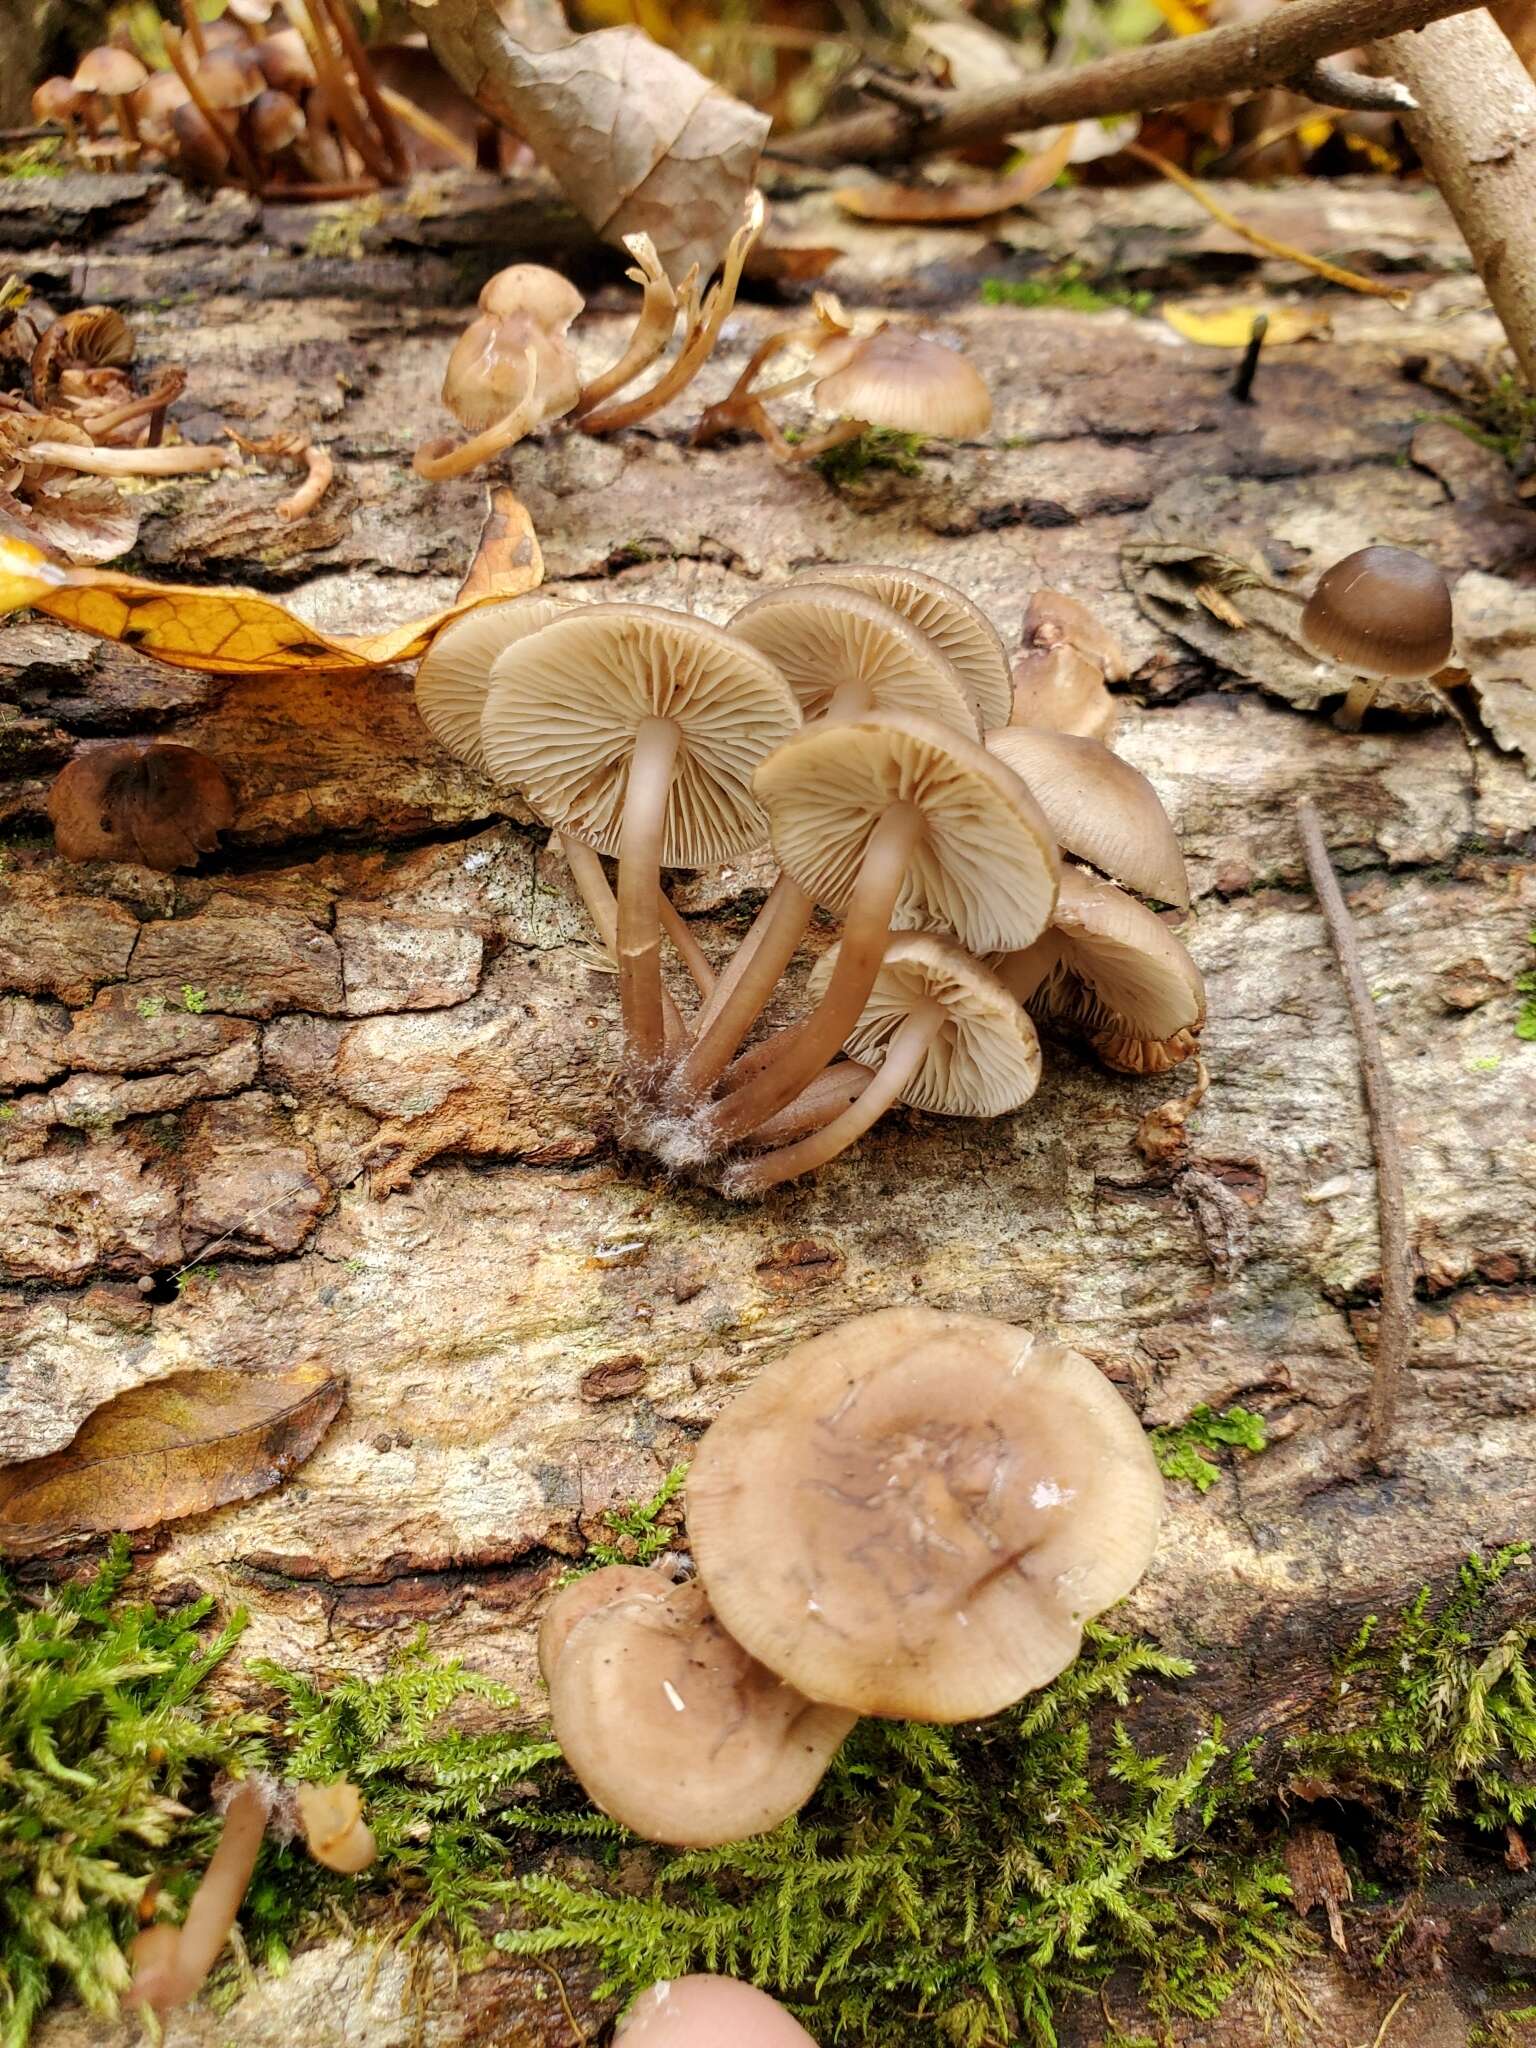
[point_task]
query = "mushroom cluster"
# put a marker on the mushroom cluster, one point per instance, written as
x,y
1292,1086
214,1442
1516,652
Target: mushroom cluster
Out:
x,y
912,1515
854,719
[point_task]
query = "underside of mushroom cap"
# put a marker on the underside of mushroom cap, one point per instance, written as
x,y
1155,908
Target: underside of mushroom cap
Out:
x,y
671,1726
454,676
985,1060
985,862
916,1513
822,636
958,628
1099,807
903,380
566,703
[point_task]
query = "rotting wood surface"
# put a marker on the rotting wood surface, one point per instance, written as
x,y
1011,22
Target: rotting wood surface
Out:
x,y
387,1128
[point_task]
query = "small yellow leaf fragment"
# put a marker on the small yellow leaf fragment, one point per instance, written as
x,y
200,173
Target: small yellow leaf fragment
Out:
x,y
1232,326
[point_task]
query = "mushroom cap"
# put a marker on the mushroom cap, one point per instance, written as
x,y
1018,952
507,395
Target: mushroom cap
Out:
x,y
986,1058
335,1832
154,803
703,2012
285,62
1109,969
1099,807
670,1725
986,862
947,617
230,78
544,295
153,102
915,1514
488,370
566,703
453,678
1061,690
109,70
1052,619
199,145
822,635
54,99
92,337
899,379
277,119
1382,611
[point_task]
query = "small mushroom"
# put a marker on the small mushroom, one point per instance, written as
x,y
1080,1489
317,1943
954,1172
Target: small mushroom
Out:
x,y
140,800
58,101
843,653
277,121
510,370
916,1513
670,1725
1383,612
1110,971
230,79
171,1964
94,337
201,146
942,1033
154,103
896,379
114,75
1060,673
958,628
1099,807
705,2012
335,1832
285,62
454,676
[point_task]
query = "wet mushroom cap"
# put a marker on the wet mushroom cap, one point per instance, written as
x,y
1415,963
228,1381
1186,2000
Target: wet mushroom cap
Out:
x,y
902,380
1382,611
1099,807
672,1728
567,703
985,1060
708,2012
544,295
154,803
453,679
985,861
822,636
958,628
916,1513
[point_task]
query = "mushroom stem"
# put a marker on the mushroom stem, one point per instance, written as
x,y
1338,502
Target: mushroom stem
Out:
x,y
319,472
127,120
687,947
179,461
592,884
227,132
429,130
194,27
823,444
641,834
908,1049
835,1089
438,460
171,385
1363,692
341,106
866,933
745,987
653,328
171,1972
373,96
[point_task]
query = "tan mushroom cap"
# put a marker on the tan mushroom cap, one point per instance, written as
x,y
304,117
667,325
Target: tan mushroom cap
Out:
x,y
150,802
276,119
986,1058
567,702
544,295
986,861
1111,971
109,70
230,78
453,679
1062,691
709,2012
1052,619
899,379
915,1514
1099,807
1382,611
946,616
821,636
671,1726
487,372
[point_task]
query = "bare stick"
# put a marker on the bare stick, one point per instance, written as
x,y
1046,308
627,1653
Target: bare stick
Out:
x,y
1394,1328
1243,57
373,96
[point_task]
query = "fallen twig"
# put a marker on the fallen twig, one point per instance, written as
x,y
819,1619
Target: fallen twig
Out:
x,y
1243,57
1394,1328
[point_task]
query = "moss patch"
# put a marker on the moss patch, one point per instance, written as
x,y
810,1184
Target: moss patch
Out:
x,y
1187,1450
1066,288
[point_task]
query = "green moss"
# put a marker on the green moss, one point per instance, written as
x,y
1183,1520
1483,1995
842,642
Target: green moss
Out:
x,y
342,231
194,1000
150,1007
41,159
639,1534
191,1278
1065,288
1525,988
875,448
1181,1448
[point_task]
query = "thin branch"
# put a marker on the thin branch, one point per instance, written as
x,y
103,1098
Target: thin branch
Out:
x,y
1243,57
1336,85
1395,1324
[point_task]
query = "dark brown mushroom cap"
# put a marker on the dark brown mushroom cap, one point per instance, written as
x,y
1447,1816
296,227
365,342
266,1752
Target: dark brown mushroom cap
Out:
x,y
915,1514
670,1725
284,61
276,120
142,801
709,2012
1382,611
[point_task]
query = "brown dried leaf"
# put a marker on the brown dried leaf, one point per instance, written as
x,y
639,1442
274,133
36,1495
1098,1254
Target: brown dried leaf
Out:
x,y
86,519
969,199
179,1446
639,141
508,552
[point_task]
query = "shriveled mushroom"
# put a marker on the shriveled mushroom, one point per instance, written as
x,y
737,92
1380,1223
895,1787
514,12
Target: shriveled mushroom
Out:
x,y
511,369
1109,971
335,1832
1099,807
943,1035
171,1964
915,1513
1383,612
670,1725
638,731
140,800
93,338
706,2012
1060,674
454,677
946,617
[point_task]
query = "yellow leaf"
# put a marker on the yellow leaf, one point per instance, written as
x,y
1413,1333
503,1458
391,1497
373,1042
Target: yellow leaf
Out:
x,y
1182,19
1232,326
235,632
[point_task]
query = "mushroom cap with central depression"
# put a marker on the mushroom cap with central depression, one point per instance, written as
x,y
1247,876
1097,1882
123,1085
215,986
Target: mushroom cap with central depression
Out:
x,y
916,1513
823,636
567,703
985,861
945,616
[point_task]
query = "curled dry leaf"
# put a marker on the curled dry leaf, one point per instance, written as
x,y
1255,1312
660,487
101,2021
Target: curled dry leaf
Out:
x,y
221,632
179,1446
83,518
639,141
968,199
508,548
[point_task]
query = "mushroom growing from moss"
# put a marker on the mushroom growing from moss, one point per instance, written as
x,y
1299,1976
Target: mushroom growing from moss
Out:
x,y
1384,613
140,800
916,1513
171,1964
708,2012
900,380
670,1725
335,1832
